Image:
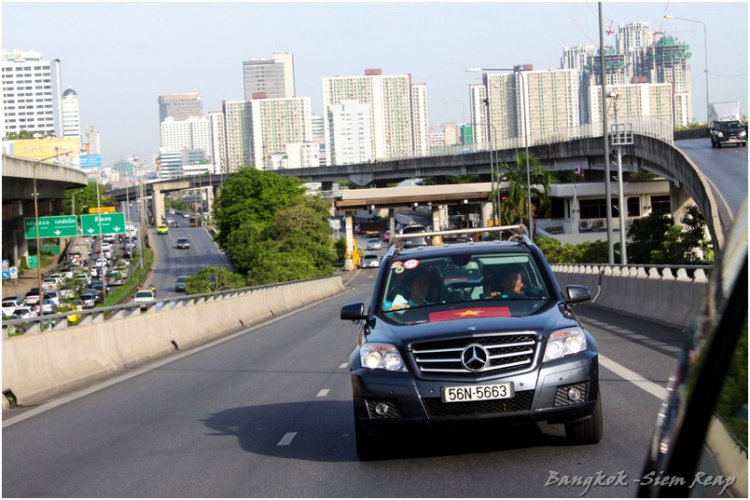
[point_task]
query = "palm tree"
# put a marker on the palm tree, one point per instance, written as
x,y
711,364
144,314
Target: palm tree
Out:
x,y
514,206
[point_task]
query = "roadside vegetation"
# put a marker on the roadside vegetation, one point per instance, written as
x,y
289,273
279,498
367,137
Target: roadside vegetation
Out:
x,y
655,239
271,230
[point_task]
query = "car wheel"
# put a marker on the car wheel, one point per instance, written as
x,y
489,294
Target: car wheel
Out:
x,y
367,448
590,430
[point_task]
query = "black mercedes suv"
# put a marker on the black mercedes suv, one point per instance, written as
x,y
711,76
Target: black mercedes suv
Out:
x,y
467,335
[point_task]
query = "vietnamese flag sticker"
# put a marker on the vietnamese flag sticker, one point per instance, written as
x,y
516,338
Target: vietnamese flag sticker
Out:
x,y
473,312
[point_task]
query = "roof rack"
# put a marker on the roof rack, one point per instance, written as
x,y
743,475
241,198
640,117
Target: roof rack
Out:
x,y
519,232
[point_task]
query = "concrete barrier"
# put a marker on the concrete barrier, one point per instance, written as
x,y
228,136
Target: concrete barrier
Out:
x,y
666,298
39,366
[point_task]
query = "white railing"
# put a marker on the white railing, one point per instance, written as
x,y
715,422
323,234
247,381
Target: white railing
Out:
x,y
658,128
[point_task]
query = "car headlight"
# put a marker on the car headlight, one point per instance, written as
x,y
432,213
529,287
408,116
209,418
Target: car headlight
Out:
x,y
720,134
381,356
743,133
564,342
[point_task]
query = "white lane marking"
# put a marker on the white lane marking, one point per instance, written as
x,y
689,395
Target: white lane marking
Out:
x,y
632,377
323,393
343,365
287,439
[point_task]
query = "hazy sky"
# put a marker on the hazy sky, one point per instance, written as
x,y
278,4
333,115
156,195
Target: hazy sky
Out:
x,y
119,57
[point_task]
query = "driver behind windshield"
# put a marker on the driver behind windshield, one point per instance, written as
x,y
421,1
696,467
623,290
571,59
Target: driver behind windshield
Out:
x,y
508,283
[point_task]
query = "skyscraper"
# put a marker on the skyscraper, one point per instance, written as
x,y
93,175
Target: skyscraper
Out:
x,y
391,109
180,106
348,135
237,122
269,78
274,124
31,93
71,119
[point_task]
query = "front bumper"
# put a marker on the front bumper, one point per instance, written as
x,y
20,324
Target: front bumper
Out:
x,y
415,405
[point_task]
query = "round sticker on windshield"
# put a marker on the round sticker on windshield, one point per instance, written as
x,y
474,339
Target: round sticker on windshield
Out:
x,y
396,264
411,263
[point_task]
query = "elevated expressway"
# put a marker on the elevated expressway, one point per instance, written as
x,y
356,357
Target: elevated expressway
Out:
x,y
645,154
52,180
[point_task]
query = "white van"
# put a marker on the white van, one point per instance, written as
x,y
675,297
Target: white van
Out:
x,y
416,241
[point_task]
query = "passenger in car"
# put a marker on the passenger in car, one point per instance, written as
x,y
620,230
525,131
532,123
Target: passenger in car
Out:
x,y
507,283
420,289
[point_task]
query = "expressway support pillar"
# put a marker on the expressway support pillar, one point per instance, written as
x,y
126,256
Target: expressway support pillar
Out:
x,y
158,200
351,247
679,200
436,240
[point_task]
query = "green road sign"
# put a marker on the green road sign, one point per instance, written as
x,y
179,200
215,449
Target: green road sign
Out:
x,y
111,223
52,227
32,262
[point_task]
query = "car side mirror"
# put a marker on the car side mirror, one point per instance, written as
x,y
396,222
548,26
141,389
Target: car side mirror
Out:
x,y
354,311
577,294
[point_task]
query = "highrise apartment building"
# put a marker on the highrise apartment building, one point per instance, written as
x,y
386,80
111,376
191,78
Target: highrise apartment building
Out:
x,y
91,142
578,58
31,93
643,99
71,116
632,40
192,133
269,78
392,108
274,123
180,106
420,119
478,112
528,103
237,122
218,151
349,133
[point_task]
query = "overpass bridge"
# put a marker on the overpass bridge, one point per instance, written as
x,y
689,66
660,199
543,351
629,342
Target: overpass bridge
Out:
x,y
19,174
646,154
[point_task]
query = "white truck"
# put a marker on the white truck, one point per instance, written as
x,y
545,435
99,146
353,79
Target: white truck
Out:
x,y
724,124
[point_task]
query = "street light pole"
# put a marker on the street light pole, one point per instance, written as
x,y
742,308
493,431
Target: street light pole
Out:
x,y
36,226
518,70
73,201
705,47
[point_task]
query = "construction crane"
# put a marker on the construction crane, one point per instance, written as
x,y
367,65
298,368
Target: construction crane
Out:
x,y
609,33
584,32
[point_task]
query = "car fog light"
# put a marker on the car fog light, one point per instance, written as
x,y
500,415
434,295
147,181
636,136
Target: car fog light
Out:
x,y
574,394
381,409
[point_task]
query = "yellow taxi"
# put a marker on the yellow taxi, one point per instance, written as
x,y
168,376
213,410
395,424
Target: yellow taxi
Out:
x,y
162,229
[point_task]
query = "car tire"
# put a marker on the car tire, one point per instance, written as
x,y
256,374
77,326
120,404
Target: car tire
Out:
x,y
367,448
590,430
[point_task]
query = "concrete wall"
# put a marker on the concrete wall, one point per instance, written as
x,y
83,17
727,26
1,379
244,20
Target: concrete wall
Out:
x,y
658,295
39,366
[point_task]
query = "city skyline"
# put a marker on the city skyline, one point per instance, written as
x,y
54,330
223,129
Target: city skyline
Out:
x,y
119,58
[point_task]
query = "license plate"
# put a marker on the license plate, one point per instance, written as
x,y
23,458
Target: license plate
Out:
x,y
477,392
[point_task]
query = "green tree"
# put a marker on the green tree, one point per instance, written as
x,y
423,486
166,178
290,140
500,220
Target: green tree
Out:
x,y
296,244
515,203
271,231
213,279
85,197
656,239
252,195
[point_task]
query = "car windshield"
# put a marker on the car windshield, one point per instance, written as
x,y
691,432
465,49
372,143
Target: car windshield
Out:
x,y
144,294
482,284
731,126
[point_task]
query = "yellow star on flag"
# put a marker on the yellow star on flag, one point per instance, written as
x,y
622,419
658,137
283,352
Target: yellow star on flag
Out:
x,y
470,312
